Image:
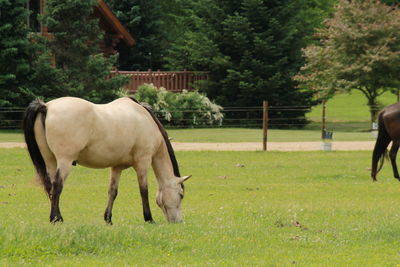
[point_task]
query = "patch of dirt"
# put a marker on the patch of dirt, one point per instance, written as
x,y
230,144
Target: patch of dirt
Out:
x,y
12,145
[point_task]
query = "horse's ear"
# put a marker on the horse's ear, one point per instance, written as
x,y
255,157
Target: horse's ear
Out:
x,y
183,179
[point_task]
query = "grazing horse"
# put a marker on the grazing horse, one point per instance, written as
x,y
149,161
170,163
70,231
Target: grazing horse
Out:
x,y
118,135
388,131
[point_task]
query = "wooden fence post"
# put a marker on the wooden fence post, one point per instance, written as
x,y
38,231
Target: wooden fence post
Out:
x,y
265,124
323,125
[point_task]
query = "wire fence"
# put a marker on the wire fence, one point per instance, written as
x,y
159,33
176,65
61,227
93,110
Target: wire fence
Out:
x,y
11,117
279,117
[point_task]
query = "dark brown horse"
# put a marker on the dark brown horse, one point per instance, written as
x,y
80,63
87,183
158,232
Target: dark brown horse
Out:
x,y
388,131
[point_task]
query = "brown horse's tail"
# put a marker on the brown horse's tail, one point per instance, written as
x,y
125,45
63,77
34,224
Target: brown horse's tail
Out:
x,y
380,149
35,107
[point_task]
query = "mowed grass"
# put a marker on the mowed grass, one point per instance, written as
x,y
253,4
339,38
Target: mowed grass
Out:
x,y
256,135
220,135
347,116
241,209
11,136
349,107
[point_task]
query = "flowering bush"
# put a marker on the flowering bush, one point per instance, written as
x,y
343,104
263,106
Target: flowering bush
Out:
x,y
184,109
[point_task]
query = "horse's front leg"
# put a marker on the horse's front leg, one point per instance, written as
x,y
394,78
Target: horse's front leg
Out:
x,y
57,183
392,155
112,192
142,171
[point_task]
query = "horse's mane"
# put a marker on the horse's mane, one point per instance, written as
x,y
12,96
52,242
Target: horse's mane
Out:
x,y
165,136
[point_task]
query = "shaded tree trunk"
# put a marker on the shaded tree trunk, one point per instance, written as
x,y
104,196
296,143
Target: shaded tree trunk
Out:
x,y
372,101
373,108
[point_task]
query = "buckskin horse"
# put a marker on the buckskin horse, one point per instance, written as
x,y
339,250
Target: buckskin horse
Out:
x,y
388,131
118,135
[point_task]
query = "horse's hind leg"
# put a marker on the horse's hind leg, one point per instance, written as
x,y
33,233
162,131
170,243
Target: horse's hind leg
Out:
x,y
142,170
392,155
57,183
381,144
112,193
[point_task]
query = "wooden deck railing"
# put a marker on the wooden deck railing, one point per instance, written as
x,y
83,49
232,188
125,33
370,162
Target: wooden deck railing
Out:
x,y
174,81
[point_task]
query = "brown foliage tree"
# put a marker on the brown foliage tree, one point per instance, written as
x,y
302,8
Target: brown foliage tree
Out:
x,y
358,49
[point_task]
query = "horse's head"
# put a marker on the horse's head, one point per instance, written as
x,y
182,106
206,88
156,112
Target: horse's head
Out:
x,y
169,198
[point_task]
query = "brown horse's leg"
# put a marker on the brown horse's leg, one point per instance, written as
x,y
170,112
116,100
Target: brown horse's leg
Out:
x,y
142,172
392,155
57,183
112,193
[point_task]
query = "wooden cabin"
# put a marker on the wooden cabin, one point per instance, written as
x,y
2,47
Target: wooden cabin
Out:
x,y
114,31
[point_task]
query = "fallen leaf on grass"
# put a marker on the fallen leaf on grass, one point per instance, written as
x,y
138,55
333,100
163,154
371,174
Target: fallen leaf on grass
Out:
x,y
297,237
296,223
252,189
279,224
299,225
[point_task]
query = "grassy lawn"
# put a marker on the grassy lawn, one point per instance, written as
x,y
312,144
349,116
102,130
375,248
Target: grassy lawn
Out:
x,y
347,117
235,135
279,209
255,135
349,107
11,136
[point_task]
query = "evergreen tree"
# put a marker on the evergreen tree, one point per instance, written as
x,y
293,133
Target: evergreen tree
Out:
x,y
81,68
251,48
14,52
145,20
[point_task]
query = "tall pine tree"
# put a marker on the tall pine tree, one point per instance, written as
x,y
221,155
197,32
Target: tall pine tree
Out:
x,y
14,52
145,19
251,48
82,69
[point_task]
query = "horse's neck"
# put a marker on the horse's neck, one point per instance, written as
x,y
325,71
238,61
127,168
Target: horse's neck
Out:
x,y
162,166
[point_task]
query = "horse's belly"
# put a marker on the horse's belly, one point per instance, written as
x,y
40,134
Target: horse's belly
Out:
x,y
97,158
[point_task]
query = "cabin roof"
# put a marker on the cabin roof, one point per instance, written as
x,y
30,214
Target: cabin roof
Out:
x,y
114,22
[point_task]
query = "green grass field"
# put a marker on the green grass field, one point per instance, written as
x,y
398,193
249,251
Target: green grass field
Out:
x,y
235,135
347,117
11,136
255,135
278,209
349,107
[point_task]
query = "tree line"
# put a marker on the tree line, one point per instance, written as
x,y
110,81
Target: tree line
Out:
x,y
289,52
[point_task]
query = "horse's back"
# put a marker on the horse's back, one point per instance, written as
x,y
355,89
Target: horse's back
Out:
x,y
100,135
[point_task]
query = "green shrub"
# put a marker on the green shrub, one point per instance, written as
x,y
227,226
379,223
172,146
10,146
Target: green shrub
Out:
x,y
183,109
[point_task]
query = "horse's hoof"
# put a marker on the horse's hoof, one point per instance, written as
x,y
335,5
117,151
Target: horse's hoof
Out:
x,y
56,219
150,222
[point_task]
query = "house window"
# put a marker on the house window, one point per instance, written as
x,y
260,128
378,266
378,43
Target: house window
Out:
x,y
34,10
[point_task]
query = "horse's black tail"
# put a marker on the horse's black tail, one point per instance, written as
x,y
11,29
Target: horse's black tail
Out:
x,y
380,149
35,107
